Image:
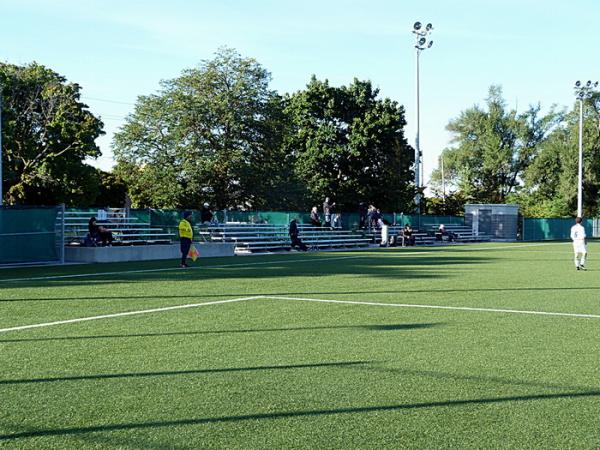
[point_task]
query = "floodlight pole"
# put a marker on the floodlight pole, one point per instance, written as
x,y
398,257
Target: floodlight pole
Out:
x,y
582,92
418,160
580,166
421,44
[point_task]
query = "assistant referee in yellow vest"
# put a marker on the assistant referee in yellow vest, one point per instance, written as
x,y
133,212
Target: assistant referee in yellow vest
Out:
x,y
186,233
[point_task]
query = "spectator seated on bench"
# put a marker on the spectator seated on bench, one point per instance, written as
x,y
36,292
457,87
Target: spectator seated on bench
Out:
x,y
98,233
296,241
408,238
443,235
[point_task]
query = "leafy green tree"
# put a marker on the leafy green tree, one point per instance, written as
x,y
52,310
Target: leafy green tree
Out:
x,y
492,149
112,189
212,134
47,134
349,145
550,182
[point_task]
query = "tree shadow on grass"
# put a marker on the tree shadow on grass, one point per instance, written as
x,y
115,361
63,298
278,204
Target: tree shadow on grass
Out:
x,y
298,414
340,364
376,327
407,268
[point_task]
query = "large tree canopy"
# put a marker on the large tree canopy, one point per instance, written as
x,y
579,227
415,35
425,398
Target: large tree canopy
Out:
x,y
213,134
550,182
529,159
349,145
47,133
492,148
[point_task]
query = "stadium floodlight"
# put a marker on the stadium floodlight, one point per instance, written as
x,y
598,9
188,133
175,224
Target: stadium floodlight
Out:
x,y
582,92
422,43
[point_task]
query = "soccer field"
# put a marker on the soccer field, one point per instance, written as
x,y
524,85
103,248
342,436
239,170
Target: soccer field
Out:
x,y
479,346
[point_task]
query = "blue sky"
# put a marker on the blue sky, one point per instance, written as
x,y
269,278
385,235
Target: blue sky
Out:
x,y
118,50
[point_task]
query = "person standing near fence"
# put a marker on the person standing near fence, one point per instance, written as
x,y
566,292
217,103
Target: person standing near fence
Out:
x,y
186,233
327,207
579,240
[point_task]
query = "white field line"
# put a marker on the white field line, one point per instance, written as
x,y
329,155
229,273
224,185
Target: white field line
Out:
x,y
225,266
452,308
298,299
128,313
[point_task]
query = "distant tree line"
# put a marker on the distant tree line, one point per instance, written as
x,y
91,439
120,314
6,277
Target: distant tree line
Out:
x,y
218,133
501,156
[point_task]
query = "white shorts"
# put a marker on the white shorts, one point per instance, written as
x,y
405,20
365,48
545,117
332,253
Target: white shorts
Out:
x,y
579,247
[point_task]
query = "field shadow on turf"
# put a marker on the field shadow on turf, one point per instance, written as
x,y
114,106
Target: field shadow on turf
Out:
x,y
375,327
421,267
297,414
108,376
306,292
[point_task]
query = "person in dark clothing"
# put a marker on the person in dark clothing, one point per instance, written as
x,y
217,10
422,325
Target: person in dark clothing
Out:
x,y
294,236
99,232
206,215
362,212
407,236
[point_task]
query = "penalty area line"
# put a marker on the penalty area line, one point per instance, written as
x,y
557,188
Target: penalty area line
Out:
x,y
451,308
127,313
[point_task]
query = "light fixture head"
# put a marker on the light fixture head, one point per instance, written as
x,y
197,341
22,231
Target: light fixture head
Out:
x,y
577,83
581,95
589,83
430,44
595,84
429,27
422,41
417,26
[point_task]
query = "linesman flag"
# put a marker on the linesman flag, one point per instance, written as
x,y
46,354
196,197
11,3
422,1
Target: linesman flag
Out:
x,y
193,253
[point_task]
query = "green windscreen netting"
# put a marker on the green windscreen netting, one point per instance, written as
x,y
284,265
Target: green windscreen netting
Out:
x,y
552,229
30,234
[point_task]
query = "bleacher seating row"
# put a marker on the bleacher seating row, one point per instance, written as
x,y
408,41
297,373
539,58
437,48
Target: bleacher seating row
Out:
x,y
265,237
126,230
420,238
461,233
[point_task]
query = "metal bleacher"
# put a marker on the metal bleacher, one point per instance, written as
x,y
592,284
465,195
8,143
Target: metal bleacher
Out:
x,y
126,230
264,237
421,238
461,233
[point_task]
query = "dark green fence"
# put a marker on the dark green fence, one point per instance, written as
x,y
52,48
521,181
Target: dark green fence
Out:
x,y
552,229
31,235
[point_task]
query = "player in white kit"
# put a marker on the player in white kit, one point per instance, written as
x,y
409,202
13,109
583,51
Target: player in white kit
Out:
x,y
579,248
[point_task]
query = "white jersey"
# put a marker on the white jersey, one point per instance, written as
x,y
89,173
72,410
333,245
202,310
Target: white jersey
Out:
x,y
578,237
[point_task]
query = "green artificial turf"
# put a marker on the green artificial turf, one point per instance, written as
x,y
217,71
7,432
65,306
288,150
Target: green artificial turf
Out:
x,y
279,373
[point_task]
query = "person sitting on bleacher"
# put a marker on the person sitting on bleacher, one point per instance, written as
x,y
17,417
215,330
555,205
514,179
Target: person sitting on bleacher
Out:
x,y
407,236
206,215
98,232
442,232
294,236
314,217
